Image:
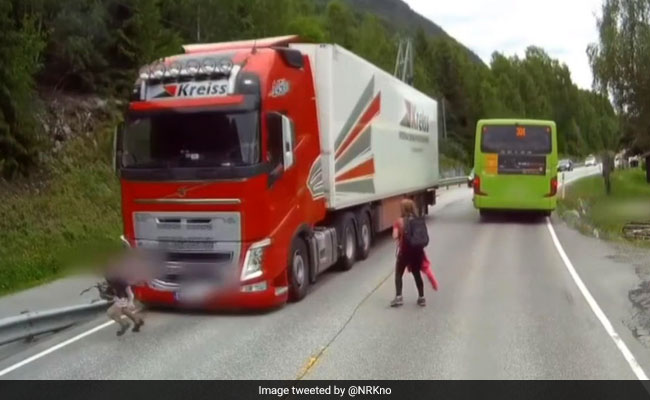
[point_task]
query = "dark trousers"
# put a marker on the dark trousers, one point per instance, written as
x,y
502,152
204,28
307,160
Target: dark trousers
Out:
x,y
415,263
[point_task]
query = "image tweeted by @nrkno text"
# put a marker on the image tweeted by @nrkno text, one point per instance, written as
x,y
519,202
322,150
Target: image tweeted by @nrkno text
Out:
x,y
326,390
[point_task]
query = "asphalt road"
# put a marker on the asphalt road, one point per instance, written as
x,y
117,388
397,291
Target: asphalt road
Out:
x,y
507,309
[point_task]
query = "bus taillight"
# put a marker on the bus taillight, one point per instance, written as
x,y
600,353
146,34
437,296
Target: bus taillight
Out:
x,y
477,186
553,187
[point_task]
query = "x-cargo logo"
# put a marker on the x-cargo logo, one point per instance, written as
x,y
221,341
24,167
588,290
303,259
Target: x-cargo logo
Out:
x,y
415,119
198,89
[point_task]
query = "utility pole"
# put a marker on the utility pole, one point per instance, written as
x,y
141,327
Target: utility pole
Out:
x,y
444,120
404,62
198,21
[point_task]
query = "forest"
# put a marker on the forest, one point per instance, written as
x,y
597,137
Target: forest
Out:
x,y
96,47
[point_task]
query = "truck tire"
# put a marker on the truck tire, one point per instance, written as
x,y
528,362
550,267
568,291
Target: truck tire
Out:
x,y
348,241
298,270
365,235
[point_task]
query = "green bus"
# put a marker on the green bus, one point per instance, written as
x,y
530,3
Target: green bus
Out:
x,y
515,166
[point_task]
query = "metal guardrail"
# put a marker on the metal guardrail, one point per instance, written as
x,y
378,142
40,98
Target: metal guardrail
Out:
x,y
457,180
31,324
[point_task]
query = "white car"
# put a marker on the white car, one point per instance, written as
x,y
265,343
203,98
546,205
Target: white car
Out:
x,y
590,161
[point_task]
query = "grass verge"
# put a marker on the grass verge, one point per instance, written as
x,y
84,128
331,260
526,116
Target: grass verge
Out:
x,y
628,202
50,232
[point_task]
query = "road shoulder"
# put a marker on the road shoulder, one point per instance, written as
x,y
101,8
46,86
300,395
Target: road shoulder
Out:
x,y
610,278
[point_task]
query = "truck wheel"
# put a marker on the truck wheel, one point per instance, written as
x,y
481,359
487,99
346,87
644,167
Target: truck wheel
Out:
x,y
365,235
348,241
298,270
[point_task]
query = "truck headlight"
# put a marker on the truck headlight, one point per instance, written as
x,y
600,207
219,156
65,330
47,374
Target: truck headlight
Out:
x,y
253,260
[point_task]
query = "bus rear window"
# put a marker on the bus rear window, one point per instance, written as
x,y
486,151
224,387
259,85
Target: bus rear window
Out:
x,y
516,139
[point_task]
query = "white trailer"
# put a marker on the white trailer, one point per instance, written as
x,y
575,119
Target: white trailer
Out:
x,y
379,136
366,116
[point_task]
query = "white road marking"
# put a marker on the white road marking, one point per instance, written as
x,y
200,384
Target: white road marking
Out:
x,y
629,357
55,348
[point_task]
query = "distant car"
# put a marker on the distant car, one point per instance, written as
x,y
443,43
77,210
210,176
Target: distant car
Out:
x,y
590,161
565,165
470,179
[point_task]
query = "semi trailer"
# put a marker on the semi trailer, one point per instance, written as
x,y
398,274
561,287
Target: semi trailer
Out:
x,y
254,166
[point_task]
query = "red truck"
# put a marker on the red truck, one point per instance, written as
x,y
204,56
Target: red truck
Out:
x,y
254,166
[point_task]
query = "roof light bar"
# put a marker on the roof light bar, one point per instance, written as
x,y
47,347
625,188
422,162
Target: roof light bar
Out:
x,y
174,70
193,67
186,69
158,71
145,73
209,66
225,66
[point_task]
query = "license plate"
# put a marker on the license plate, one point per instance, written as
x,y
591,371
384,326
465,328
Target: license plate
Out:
x,y
192,294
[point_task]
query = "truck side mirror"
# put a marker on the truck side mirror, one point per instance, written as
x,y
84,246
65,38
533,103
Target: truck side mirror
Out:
x,y
288,142
282,139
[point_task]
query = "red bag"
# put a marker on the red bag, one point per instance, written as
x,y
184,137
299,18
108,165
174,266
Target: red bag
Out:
x,y
426,268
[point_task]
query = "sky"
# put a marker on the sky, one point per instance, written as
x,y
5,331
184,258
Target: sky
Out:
x,y
564,28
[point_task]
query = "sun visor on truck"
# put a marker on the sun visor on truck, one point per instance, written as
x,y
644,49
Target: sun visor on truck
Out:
x,y
242,44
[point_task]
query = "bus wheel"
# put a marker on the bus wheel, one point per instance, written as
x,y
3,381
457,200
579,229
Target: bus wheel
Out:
x,y
348,241
365,235
298,270
484,214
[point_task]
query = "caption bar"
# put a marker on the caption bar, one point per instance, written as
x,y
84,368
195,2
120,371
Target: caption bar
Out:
x,y
330,390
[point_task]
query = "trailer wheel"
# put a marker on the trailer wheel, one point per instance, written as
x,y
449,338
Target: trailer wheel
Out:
x,y
348,241
298,270
365,235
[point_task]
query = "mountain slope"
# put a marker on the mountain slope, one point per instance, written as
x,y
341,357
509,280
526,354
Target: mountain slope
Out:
x,y
399,15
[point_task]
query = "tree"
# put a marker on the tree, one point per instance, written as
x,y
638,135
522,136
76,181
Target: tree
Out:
x,y
339,22
621,65
374,44
140,39
21,45
77,48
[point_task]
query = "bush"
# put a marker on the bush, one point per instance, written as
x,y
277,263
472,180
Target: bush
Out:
x,y
45,233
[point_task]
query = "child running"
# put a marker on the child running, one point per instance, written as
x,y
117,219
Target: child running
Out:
x,y
408,256
408,210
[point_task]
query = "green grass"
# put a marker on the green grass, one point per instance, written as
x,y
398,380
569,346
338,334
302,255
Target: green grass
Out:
x,y
628,202
70,224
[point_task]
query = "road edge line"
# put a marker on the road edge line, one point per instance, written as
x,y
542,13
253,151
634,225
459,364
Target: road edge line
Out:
x,y
54,348
620,344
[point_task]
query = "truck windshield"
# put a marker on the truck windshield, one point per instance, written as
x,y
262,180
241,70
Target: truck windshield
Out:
x,y
201,139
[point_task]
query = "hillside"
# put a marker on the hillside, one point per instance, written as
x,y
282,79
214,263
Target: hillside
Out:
x,y
399,16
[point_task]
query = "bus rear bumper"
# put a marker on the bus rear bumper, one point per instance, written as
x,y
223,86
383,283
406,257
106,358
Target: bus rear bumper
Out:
x,y
495,203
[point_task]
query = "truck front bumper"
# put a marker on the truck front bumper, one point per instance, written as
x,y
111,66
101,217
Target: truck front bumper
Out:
x,y
247,297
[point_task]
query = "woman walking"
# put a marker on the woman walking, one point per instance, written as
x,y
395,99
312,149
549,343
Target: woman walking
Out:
x,y
407,256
